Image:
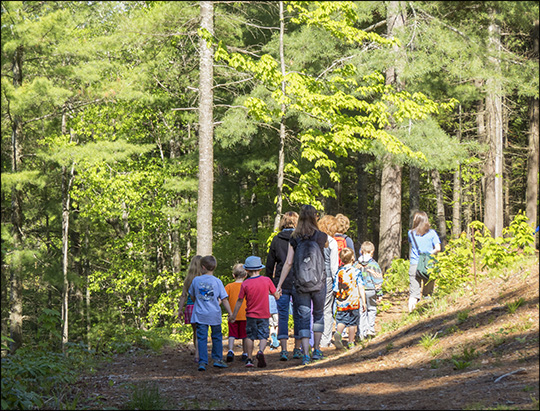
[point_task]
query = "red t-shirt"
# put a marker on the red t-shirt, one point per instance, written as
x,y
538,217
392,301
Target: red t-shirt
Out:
x,y
256,290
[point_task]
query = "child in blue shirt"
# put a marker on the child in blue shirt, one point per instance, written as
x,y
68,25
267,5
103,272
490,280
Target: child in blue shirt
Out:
x,y
373,279
208,293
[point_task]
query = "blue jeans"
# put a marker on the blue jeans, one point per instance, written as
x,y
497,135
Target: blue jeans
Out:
x,y
304,310
283,306
217,342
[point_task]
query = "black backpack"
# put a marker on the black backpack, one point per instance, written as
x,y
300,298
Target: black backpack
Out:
x,y
308,265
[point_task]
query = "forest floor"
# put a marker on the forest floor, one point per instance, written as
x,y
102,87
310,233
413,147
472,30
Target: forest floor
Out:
x,y
482,356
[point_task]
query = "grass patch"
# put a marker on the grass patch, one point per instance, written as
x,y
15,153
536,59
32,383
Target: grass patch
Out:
x,y
514,305
428,340
146,396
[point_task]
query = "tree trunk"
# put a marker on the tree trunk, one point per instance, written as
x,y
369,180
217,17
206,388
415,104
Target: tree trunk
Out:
x,y
414,192
16,306
441,219
532,156
457,192
362,195
282,131
206,134
493,215
390,220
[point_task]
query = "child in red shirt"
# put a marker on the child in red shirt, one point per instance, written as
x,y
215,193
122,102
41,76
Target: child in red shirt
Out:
x,y
255,289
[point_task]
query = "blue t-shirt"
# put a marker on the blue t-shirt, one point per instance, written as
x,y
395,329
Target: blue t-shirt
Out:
x,y
426,244
207,291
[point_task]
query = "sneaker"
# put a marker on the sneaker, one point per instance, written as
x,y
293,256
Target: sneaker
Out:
x,y
261,363
337,341
350,345
306,360
317,355
249,363
297,354
244,357
220,364
275,342
283,356
230,356
202,367
371,333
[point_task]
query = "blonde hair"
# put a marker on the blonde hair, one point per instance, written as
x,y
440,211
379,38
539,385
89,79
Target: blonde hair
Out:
x,y
329,224
344,222
289,220
239,271
420,223
193,271
367,247
346,255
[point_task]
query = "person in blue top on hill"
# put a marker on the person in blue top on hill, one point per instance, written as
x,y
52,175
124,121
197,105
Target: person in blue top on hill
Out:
x,y
422,239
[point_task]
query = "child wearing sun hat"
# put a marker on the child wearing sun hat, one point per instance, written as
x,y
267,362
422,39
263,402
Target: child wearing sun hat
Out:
x,y
255,290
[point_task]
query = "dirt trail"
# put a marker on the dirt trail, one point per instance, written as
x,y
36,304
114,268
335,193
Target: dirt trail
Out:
x,y
497,352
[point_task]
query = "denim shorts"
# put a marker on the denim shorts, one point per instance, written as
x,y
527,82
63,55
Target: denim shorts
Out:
x,y
349,318
257,328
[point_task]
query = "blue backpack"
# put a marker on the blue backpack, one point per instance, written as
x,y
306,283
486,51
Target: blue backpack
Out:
x,y
308,265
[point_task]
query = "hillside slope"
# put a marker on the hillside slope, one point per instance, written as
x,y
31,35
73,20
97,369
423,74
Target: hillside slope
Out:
x,y
468,352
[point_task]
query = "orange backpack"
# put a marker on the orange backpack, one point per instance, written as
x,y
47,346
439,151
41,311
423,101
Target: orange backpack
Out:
x,y
341,244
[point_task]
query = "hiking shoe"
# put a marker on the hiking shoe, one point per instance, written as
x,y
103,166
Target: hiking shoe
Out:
x,y
317,355
306,360
244,357
220,364
249,363
261,363
283,356
337,341
202,367
297,354
230,356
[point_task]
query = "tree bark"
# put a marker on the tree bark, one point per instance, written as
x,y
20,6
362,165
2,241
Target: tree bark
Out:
x,y
390,219
441,220
16,306
362,195
493,215
532,156
282,131
457,192
414,192
206,135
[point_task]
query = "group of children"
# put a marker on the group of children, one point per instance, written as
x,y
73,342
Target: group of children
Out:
x,y
356,288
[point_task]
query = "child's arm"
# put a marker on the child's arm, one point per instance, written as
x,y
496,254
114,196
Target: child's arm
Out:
x,y
232,317
225,303
362,291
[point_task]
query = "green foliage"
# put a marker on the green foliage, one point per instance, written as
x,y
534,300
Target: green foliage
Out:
x,y
146,396
429,340
396,278
109,338
514,305
30,377
454,266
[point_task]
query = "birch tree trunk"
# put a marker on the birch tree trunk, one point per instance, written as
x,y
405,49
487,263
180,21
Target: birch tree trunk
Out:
x,y
493,215
206,135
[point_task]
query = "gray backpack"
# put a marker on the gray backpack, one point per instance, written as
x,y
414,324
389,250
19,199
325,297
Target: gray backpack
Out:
x,y
308,265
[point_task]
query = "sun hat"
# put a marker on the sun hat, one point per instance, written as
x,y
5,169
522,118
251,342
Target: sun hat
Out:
x,y
253,263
